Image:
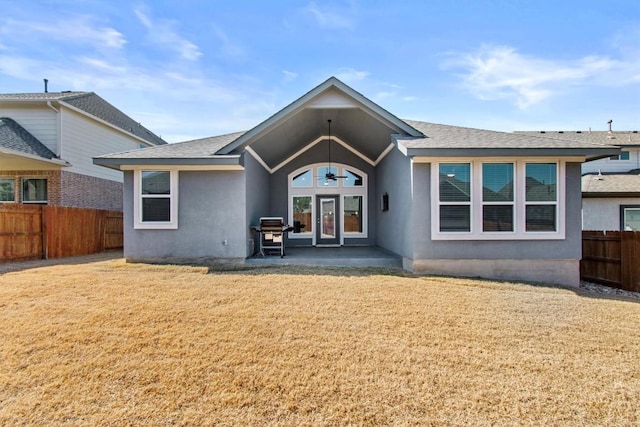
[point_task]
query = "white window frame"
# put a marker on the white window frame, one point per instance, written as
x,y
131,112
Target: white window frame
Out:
x,y
320,189
138,224
519,202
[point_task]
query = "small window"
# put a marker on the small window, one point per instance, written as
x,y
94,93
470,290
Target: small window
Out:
x,y
156,202
541,196
624,155
302,212
455,197
7,190
34,190
304,179
353,214
352,179
323,181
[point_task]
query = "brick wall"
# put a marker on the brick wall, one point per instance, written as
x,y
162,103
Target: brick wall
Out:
x,y
72,189
53,183
82,191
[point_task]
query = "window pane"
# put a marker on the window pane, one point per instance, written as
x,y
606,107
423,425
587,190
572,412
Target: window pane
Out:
x,y
352,179
631,219
455,182
353,214
302,213
624,155
305,179
7,190
34,190
322,173
541,218
497,218
497,182
541,182
156,209
455,218
156,182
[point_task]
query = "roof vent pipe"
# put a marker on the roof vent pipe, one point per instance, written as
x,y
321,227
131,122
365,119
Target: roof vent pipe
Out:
x,y
46,85
609,123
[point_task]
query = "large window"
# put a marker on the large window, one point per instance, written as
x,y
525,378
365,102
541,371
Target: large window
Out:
x,y
7,190
303,213
34,190
497,200
156,201
352,214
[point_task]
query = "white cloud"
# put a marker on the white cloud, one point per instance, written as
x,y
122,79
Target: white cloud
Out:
x,y
498,72
289,76
350,75
75,29
162,34
331,19
227,46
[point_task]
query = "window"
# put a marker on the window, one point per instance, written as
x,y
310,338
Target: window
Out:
x,y
455,197
352,179
156,201
34,190
323,171
497,197
352,214
624,155
541,196
304,179
303,211
7,190
486,200
630,218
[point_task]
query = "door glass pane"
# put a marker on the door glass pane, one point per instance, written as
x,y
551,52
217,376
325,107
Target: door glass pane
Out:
x,y
541,218
455,182
497,182
631,219
541,182
455,218
353,214
302,213
497,218
328,223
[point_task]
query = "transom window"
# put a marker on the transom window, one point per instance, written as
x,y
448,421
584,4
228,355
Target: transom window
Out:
x,y
497,200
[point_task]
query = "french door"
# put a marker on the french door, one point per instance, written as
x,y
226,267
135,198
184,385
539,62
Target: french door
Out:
x,y
327,220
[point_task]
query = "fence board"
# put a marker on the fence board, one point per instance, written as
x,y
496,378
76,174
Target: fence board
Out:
x,y
33,232
611,258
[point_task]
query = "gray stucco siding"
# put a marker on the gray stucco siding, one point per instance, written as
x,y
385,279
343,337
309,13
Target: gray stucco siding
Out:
x,y
257,199
567,249
211,211
395,227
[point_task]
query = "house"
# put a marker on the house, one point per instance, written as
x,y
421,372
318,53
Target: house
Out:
x,y
47,141
610,185
446,199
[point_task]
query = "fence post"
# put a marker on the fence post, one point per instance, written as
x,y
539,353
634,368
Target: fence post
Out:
x,y
43,228
630,254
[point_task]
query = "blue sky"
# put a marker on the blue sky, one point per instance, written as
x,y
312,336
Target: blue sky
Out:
x,y
188,69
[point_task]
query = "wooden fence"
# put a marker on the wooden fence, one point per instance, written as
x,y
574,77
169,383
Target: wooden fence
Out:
x,y
611,258
41,232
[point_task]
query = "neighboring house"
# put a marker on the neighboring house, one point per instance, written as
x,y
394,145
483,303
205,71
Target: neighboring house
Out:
x,y
446,199
611,185
47,141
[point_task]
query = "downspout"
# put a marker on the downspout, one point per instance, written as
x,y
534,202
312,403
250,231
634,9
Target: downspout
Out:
x,y
58,130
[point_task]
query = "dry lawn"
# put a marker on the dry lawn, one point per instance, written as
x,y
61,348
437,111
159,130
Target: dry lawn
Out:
x,y
111,343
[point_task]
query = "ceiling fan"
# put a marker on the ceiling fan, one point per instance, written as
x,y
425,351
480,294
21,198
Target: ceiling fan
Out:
x,y
330,176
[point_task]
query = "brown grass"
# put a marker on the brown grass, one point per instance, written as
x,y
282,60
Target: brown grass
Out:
x,y
110,343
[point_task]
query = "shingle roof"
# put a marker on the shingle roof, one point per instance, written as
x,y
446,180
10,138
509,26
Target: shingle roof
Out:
x,y
197,148
445,136
94,105
612,183
16,138
618,138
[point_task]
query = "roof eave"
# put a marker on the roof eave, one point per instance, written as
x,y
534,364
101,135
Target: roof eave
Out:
x,y
193,162
588,153
609,194
58,162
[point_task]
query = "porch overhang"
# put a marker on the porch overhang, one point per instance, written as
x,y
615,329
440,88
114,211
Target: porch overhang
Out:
x,y
231,162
